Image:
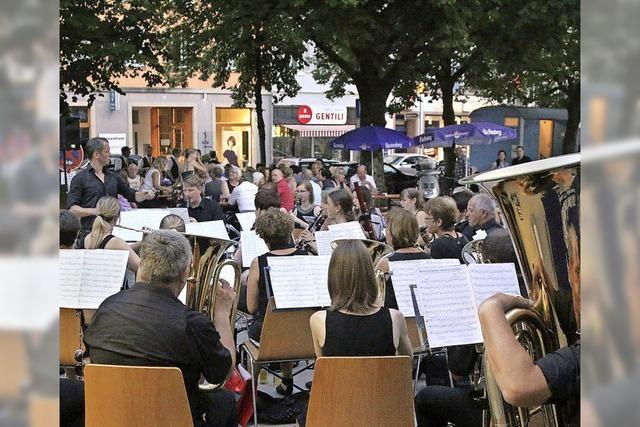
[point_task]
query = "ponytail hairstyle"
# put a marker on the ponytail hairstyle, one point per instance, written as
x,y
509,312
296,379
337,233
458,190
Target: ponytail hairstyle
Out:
x,y
108,211
343,199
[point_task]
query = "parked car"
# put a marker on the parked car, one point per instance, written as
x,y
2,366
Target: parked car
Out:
x,y
395,180
303,162
407,162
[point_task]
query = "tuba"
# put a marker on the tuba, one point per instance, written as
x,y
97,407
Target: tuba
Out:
x,y
201,286
540,202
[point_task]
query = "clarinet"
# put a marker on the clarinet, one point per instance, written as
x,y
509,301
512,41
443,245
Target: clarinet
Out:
x,y
315,225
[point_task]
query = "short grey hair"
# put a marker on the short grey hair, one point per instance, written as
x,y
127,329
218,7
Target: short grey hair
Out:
x,y
94,145
307,174
485,202
165,255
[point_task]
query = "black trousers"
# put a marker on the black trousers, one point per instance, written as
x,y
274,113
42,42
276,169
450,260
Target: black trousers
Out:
x,y
221,409
438,405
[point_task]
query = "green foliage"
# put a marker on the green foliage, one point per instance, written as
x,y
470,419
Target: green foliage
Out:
x,y
104,40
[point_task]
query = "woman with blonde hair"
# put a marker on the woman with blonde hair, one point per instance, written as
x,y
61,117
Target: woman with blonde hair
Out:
x,y
152,181
356,324
402,235
101,237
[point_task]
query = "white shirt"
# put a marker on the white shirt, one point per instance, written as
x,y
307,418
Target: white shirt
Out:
x,y
244,196
148,179
368,181
317,192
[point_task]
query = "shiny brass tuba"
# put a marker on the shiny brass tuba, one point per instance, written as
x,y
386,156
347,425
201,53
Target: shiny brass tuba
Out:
x,y
208,268
540,202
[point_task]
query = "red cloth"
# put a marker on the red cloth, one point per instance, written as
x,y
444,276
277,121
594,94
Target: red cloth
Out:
x,y
286,195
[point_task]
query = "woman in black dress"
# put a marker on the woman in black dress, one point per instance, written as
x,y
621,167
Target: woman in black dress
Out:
x,y
356,324
441,220
275,228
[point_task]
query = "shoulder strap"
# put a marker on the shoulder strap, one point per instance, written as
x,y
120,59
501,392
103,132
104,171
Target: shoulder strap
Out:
x,y
105,241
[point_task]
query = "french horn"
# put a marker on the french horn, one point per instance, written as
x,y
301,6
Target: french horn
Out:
x,y
540,202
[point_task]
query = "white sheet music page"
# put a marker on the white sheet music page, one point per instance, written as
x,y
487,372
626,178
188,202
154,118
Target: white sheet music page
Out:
x,y
252,247
101,275
292,287
323,242
489,279
246,220
320,274
213,229
443,261
139,218
347,230
403,274
70,273
448,304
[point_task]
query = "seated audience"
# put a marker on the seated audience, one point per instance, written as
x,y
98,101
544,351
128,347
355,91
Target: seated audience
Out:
x,y
216,189
148,326
244,194
286,195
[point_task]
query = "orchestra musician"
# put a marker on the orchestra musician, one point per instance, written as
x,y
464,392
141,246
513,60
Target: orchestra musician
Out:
x,y
368,213
306,206
101,237
355,324
69,229
147,325
274,227
441,219
402,235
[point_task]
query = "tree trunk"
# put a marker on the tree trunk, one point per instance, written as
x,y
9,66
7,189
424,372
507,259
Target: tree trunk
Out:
x,y
449,118
570,141
373,104
257,93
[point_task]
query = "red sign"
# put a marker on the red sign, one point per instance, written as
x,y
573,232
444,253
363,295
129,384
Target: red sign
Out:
x,y
304,114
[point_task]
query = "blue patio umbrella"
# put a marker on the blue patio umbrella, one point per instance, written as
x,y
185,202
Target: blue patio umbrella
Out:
x,y
476,133
369,138
431,139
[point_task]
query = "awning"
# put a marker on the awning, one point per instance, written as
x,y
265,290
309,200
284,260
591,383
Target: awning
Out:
x,y
319,131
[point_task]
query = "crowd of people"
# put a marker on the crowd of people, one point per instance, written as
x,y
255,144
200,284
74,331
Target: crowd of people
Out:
x,y
145,323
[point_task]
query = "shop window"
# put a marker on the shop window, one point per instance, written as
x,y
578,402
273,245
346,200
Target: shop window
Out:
x,y
511,122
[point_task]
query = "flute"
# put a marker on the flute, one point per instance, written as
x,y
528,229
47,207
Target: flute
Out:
x,y
129,228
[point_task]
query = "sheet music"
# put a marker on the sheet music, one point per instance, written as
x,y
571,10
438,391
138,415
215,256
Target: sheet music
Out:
x,y
320,273
252,247
290,281
443,261
182,213
138,218
488,279
403,274
323,242
246,220
300,281
448,304
214,229
347,230
100,274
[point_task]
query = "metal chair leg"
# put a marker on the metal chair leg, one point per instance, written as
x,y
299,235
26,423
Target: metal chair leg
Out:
x,y
417,375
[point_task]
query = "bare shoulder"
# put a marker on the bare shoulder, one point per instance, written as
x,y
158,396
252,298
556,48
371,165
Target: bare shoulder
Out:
x,y
396,316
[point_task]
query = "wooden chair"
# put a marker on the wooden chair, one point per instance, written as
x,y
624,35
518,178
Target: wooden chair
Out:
x,y
14,369
285,337
70,337
123,396
361,391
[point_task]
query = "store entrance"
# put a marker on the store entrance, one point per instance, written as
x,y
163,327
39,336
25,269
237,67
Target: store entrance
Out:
x,y
171,127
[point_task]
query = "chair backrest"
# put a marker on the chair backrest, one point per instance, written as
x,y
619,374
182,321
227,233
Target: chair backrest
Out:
x,y
14,370
121,396
70,336
361,391
286,334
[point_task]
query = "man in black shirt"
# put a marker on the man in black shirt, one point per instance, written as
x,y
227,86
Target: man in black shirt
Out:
x,y
199,208
553,379
147,325
481,213
96,181
520,157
